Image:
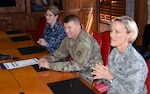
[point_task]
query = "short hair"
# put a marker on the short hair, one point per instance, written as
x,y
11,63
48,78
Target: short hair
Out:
x,y
54,10
72,17
130,26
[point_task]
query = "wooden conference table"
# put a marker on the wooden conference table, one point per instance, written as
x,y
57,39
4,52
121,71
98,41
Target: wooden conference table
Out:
x,y
26,78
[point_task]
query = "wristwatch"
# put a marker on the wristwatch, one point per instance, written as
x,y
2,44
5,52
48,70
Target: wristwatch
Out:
x,y
111,80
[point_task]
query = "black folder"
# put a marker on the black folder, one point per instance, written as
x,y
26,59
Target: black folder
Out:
x,y
71,86
20,38
30,50
13,32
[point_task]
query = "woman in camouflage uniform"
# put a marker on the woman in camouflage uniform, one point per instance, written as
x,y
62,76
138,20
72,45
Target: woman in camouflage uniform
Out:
x,y
126,71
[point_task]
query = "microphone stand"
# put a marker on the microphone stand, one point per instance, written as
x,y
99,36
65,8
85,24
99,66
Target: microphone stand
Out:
x,y
21,90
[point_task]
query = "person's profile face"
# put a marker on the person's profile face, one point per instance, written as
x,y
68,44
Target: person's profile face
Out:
x,y
71,29
119,36
50,17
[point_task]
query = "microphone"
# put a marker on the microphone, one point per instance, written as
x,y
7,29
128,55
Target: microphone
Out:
x,y
21,90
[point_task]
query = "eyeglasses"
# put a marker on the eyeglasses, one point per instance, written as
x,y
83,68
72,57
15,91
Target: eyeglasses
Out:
x,y
48,15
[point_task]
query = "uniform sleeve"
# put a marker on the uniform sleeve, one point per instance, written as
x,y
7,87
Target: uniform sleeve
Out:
x,y
60,53
55,42
133,83
81,57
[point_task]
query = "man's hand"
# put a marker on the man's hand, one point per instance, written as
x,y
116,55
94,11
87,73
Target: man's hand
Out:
x,y
43,63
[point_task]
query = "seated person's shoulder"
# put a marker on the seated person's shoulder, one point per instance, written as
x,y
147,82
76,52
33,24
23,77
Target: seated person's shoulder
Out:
x,y
84,34
87,39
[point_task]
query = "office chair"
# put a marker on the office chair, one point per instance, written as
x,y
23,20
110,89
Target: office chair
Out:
x,y
103,40
37,33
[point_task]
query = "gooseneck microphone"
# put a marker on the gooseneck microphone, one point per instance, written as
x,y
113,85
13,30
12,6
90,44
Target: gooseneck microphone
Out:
x,y
21,91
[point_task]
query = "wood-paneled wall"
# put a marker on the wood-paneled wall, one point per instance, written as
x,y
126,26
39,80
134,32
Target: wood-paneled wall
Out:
x,y
84,9
140,16
20,21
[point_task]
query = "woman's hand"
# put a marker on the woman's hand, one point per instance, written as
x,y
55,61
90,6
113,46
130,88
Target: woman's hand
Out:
x,y
42,42
101,71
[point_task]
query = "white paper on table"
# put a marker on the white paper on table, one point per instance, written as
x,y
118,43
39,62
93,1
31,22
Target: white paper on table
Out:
x,y
21,63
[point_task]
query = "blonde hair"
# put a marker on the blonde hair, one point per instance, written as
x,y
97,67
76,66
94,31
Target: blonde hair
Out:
x,y
54,10
130,26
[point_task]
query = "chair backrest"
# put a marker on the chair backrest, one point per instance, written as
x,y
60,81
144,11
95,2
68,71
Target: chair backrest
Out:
x,y
41,27
103,40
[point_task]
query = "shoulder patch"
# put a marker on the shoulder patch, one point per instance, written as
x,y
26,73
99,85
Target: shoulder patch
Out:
x,y
80,52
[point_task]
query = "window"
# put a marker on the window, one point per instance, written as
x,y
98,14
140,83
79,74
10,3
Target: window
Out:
x,y
7,3
109,9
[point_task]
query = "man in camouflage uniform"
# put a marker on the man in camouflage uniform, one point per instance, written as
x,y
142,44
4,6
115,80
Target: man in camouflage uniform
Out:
x,y
81,46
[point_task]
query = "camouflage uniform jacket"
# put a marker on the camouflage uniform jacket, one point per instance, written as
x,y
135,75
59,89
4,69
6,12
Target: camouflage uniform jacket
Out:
x,y
85,53
130,71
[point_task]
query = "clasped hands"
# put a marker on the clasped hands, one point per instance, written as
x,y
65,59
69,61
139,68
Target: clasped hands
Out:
x,y
42,42
102,72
